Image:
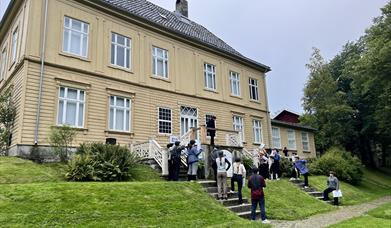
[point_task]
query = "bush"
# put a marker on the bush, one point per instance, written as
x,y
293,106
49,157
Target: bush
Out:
x,y
60,139
101,162
248,164
285,167
347,168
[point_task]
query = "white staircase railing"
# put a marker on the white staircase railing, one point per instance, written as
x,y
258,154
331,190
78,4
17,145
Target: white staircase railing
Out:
x,y
253,156
233,139
152,150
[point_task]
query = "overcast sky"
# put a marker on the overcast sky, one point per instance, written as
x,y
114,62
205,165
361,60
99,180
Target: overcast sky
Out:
x,y
281,34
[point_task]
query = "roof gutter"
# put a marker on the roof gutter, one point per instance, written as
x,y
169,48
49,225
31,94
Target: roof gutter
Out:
x,y
43,45
187,39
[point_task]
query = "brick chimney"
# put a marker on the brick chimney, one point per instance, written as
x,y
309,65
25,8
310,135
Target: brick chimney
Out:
x,y
182,7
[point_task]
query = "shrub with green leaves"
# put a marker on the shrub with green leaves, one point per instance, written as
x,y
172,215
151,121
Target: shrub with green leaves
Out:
x,y
101,162
347,167
286,167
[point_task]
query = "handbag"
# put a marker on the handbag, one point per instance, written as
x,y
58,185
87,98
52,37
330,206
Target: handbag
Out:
x,y
337,193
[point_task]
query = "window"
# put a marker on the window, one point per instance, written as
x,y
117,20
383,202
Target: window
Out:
x,y
119,113
165,122
235,83
238,125
257,129
253,84
3,64
120,50
14,45
210,76
305,141
160,62
291,140
71,107
276,138
75,40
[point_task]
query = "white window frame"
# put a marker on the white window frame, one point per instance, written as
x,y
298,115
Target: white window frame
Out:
x,y
253,83
164,121
82,34
127,47
14,44
3,64
307,141
257,126
238,125
124,109
78,102
210,74
235,83
164,59
276,138
291,140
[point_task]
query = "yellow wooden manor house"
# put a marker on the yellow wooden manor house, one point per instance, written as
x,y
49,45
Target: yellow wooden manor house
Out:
x,y
131,72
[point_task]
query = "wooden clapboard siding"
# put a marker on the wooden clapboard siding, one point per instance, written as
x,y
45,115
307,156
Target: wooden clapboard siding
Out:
x,y
144,112
185,85
299,144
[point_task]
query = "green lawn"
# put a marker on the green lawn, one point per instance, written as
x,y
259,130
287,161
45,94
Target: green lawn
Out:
x,y
16,170
128,204
379,217
285,201
374,185
36,195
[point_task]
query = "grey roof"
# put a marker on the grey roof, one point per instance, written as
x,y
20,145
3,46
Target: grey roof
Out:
x,y
177,23
292,125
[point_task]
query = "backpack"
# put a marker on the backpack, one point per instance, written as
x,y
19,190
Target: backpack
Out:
x,y
276,157
257,189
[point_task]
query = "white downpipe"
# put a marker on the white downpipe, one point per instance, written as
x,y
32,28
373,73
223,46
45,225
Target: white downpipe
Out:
x,y
164,162
43,45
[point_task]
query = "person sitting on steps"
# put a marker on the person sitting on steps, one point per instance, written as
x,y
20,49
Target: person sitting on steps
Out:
x,y
332,185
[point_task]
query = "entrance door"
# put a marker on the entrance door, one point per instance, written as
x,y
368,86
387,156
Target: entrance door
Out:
x,y
188,119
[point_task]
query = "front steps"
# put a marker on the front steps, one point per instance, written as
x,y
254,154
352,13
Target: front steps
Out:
x,y
311,191
232,203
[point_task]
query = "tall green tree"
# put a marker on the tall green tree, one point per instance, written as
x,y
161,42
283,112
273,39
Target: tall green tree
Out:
x,y
325,105
348,99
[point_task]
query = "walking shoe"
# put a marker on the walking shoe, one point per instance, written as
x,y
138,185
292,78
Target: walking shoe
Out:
x,y
292,179
306,187
278,179
265,221
230,191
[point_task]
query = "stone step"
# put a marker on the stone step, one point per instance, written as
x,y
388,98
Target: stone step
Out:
x,y
316,194
310,189
247,214
240,208
296,181
230,195
232,202
214,189
207,183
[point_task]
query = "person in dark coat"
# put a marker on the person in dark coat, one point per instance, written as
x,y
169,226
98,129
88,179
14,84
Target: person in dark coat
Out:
x,y
211,129
175,155
170,165
213,156
256,183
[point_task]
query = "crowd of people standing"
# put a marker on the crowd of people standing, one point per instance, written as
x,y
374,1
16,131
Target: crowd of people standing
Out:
x,y
267,167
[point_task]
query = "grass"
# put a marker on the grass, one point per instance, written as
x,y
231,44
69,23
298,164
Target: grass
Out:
x,y
15,170
36,195
379,217
285,201
126,204
374,185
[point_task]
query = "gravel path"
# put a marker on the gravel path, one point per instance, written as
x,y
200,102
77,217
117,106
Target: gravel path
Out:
x,y
330,218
